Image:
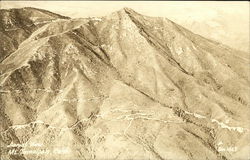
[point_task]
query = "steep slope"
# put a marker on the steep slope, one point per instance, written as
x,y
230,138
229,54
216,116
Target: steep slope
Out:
x,y
18,24
124,86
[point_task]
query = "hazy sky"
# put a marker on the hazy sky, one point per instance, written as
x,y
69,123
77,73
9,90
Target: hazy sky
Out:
x,y
154,8
228,22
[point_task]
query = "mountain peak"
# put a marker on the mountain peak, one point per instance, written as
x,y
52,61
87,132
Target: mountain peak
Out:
x,y
127,10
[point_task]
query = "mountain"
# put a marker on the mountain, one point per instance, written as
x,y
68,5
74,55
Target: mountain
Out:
x,y
122,86
16,25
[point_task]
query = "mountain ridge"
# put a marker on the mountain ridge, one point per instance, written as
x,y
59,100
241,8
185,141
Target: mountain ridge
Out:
x,y
16,26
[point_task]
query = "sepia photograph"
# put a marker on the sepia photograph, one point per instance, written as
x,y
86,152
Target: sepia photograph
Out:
x,y
124,80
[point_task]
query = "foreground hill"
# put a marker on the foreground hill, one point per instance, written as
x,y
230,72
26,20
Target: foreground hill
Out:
x,y
123,86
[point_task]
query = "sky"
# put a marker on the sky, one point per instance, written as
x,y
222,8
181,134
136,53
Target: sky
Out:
x,y
226,22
